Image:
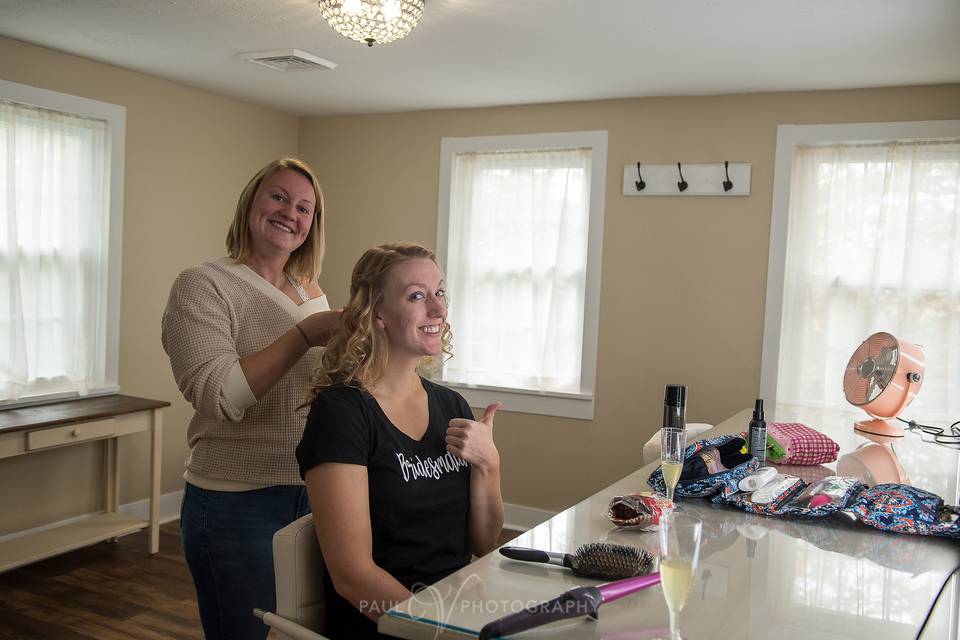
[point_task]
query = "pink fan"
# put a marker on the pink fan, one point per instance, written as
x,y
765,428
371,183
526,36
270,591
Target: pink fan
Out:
x,y
883,376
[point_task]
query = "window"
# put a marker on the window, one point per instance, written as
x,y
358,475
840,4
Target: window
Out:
x,y
865,237
61,175
520,239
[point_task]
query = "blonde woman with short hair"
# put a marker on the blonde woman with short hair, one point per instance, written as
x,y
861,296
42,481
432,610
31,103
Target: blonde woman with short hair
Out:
x,y
239,332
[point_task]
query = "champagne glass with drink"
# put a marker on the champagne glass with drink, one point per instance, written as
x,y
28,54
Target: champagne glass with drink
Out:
x,y
673,441
679,554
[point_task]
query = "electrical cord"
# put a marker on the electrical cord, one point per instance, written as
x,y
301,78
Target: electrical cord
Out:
x,y
951,439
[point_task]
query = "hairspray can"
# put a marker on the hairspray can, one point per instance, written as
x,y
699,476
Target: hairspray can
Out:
x,y
758,433
675,406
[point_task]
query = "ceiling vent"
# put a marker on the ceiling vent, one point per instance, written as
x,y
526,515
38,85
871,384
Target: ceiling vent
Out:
x,y
288,60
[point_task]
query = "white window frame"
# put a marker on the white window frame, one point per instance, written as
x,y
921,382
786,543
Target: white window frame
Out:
x,y
115,116
789,136
567,405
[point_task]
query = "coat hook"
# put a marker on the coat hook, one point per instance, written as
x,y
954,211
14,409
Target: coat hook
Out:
x,y
727,185
682,185
641,185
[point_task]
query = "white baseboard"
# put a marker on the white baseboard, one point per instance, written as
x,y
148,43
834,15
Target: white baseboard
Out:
x,y
515,516
169,507
169,511
520,518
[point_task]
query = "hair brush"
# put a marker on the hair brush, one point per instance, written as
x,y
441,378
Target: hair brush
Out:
x,y
580,601
599,560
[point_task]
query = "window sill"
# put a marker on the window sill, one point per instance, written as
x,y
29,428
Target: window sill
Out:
x,y
55,398
578,406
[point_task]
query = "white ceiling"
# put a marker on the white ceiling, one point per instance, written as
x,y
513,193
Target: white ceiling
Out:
x,y
471,53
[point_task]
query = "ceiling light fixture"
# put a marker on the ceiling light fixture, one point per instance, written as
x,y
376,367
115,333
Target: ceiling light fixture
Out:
x,y
372,21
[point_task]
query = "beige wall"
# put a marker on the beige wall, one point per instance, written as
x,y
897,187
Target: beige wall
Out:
x,y
188,155
683,278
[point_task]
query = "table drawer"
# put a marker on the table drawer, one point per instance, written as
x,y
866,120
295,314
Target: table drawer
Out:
x,y
71,434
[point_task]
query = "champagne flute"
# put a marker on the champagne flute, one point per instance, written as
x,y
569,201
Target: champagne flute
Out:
x,y
673,435
673,443
679,555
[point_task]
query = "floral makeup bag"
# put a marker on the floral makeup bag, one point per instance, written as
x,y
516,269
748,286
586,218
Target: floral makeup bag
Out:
x,y
714,467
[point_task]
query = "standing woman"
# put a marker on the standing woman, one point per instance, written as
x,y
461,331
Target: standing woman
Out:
x,y
239,333
403,482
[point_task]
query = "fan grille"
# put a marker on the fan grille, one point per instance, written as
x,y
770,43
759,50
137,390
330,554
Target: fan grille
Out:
x,y
870,369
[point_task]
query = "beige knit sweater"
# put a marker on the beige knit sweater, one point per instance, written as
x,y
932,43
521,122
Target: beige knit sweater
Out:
x,y
217,313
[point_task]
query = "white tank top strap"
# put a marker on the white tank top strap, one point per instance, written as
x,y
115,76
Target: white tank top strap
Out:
x,y
297,287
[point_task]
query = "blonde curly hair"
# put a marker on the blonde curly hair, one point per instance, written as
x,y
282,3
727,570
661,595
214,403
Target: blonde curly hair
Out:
x,y
357,353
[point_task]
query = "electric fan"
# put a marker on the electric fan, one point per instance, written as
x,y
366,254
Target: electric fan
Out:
x,y
883,376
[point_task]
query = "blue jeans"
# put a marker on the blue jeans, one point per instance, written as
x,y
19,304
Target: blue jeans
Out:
x,y
228,542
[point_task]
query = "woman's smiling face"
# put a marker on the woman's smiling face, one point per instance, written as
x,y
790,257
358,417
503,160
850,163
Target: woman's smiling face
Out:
x,y
281,212
413,311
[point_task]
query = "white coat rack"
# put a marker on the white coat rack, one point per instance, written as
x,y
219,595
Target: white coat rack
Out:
x,y
704,179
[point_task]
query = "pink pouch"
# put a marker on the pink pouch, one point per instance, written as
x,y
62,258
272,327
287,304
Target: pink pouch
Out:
x,y
803,445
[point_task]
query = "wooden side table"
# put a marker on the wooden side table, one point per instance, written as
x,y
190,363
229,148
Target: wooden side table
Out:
x,y
29,429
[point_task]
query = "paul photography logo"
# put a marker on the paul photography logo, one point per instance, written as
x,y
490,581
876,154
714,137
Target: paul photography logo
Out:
x,y
464,607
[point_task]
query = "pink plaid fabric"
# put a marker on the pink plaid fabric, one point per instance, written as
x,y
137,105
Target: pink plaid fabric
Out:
x,y
804,446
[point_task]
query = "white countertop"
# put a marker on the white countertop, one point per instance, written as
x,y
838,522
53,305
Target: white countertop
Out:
x,y
759,576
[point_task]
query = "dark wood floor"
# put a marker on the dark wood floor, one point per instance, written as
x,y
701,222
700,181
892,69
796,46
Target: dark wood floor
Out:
x,y
110,591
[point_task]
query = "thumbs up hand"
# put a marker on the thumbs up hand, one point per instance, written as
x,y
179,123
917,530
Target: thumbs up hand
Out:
x,y
472,440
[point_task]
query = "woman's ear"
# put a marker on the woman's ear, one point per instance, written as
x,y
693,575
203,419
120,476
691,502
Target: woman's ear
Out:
x,y
378,320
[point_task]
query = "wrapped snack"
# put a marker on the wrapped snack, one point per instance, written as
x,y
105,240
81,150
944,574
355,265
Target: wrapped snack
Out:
x,y
638,510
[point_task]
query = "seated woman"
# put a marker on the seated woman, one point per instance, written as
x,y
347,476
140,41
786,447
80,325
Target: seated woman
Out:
x,y
403,483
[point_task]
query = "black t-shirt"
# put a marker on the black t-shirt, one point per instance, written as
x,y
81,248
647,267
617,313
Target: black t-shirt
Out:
x,y
419,492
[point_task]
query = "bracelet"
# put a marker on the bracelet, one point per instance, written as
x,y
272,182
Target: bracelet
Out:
x,y
300,329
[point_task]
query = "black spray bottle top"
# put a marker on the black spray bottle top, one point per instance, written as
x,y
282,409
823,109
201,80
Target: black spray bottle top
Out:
x,y
758,409
675,406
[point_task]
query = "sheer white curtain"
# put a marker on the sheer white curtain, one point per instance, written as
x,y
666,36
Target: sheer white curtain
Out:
x,y
873,245
54,208
517,254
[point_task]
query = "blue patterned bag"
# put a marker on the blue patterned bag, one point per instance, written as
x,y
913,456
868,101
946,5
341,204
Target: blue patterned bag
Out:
x,y
787,505
899,508
904,509
695,482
